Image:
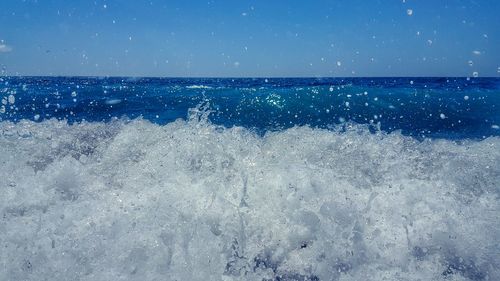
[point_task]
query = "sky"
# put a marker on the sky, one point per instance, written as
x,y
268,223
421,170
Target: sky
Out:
x,y
260,38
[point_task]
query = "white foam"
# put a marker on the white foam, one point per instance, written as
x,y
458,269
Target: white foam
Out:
x,y
198,87
193,201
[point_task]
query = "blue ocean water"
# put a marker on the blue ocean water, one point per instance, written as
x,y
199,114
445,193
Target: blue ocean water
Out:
x,y
249,179
436,107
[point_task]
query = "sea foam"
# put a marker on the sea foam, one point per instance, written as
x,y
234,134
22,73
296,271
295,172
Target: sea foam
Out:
x,y
132,200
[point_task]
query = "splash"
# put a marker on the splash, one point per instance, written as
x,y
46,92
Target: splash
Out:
x,y
190,200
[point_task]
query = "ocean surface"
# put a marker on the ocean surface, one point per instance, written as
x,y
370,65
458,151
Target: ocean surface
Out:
x,y
249,179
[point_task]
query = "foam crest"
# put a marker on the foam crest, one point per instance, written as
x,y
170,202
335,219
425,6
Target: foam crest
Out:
x,y
132,200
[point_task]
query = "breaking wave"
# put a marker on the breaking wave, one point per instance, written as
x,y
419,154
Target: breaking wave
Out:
x,y
189,200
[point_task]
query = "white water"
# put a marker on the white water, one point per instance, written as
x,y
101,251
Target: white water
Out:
x,y
191,201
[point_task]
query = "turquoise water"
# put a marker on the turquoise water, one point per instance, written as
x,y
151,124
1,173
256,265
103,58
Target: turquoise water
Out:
x,y
435,107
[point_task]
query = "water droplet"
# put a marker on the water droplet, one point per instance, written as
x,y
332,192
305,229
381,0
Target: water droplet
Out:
x,y
12,99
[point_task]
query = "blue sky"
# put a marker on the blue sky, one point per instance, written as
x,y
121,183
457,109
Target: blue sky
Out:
x,y
250,38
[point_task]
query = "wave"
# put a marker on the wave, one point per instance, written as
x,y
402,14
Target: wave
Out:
x,y
189,200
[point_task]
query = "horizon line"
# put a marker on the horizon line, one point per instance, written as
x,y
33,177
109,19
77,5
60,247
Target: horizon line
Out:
x,y
239,77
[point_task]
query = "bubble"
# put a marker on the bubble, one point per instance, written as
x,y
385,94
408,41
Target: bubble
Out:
x,y
442,116
475,74
409,12
466,97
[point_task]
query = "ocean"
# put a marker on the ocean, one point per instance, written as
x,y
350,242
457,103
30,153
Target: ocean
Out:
x,y
249,179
